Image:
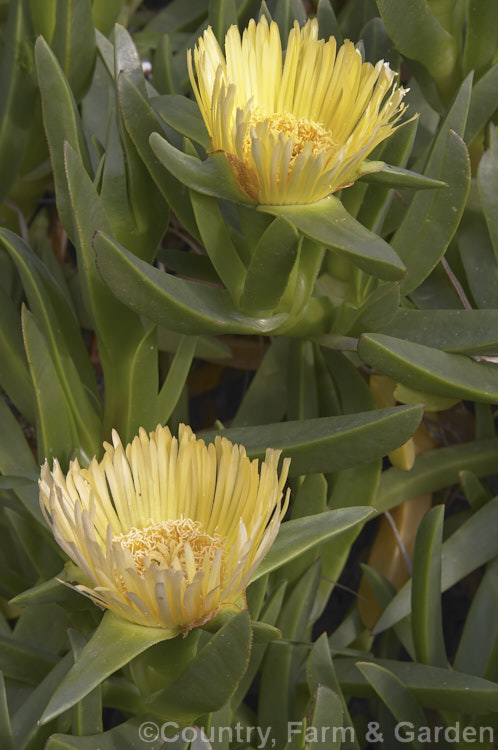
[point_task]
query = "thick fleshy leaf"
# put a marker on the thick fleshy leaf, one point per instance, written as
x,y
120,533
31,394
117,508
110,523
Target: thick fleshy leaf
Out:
x,y
115,643
61,330
295,537
418,35
395,696
218,243
280,667
209,680
476,642
459,557
175,380
25,726
185,306
140,121
488,188
328,222
62,123
432,687
5,727
56,430
426,369
427,621
479,260
271,264
183,115
377,200
18,99
480,36
265,400
16,456
482,103
330,443
124,736
399,177
320,671
436,470
213,176
458,331
73,43
14,373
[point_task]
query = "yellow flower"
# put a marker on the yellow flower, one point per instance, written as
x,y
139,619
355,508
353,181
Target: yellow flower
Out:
x,y
295,126
166,531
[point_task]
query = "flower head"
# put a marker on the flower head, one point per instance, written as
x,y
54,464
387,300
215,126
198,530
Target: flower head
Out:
x,y
166,531
295,126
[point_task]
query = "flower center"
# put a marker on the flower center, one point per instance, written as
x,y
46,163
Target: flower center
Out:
x,y
181,544
300,129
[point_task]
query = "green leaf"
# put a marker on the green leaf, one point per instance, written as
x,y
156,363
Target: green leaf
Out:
x,y
222,14
269,270
431,219
286,12
87,714
105,14
429,225
114,644
210,679
25,727
213,176
302,534
460,555
320,671
436,470
432,687
395,151
479,633
330,443
218,243
402,178
23,662
328,222
487,178
479,260
482,103
14,372
395,696
327,21
141,409
265,400
124,736
480,35
60,326
327,716
62,123
183,115
190,307
73,43
427,621
140,121
126,59
280,667
18,97
175,380
458,331
418,35
56,429
426,369
5,727
16,456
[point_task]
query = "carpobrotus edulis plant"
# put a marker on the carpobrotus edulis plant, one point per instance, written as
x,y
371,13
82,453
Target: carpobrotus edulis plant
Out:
x,y
166,531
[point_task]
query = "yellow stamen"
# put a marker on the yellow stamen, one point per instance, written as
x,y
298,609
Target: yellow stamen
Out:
x,y
180,539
